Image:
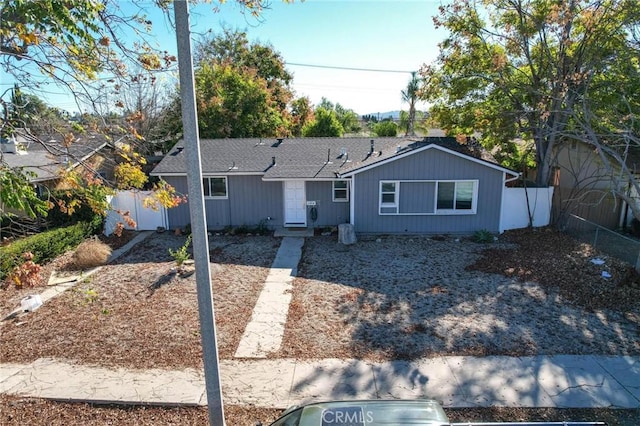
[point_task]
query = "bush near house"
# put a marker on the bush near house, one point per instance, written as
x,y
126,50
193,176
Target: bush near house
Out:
x,y
46,245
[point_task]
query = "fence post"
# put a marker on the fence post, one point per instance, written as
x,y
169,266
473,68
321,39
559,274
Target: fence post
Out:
x,y
638,262
595,240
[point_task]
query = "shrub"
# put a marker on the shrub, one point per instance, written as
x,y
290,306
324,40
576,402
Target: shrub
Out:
x,y
27,273
182,254
45,246
91,253
483,236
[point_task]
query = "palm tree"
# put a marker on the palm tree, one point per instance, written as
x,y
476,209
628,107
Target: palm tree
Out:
x,y
410,95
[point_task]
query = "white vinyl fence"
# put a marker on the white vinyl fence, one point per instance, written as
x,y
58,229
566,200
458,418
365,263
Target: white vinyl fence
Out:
x,y
515,213
146,219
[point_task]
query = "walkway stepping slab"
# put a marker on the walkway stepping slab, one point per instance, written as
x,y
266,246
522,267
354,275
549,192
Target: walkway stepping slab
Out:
x,y
265,330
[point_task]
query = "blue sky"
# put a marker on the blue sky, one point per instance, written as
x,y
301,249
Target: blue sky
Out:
x,y
369,34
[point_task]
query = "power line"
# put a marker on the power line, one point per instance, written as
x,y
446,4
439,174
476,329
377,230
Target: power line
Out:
x,y
348,68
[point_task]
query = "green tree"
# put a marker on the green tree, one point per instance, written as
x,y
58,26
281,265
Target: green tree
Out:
x,y
385,128
539,70
325,123
87,48
242,90
347,118
235,103
421,122
301,114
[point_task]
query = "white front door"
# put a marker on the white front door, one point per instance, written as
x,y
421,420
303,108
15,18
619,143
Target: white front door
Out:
x,y
295,200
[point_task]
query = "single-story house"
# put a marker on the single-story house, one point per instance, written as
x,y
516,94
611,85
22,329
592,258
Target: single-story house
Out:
x,y
380,185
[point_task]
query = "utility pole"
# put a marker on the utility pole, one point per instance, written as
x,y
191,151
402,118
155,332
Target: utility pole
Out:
x,y
198,218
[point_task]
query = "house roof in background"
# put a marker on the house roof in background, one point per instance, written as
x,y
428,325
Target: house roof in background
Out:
x,y
45,162
302,158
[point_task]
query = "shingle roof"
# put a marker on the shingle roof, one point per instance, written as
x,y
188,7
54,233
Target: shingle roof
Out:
x,y
297,158
46,163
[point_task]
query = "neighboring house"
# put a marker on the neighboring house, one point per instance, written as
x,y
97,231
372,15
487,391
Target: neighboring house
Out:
x,y
583,186
380,185
44,164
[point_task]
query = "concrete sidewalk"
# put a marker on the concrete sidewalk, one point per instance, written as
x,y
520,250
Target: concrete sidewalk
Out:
x,y
563,381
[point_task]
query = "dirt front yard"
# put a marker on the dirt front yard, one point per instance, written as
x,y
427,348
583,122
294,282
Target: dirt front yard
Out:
x,y
385,297
135,313
532,292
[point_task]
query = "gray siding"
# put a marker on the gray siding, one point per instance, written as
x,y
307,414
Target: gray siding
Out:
x,y
249,201
430,164
329,213
178,216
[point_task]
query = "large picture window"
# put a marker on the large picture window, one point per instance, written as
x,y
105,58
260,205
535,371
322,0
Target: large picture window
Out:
x,y
340,190
215,187
428,197
455,195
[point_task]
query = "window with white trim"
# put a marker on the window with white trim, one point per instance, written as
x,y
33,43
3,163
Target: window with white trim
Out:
x,y
340,190
215,187
428,197
389,197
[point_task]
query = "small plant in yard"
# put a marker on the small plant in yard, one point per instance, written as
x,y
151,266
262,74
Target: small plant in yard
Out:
x,y
262,228
91,253
90,295
26,274
483,236
182,254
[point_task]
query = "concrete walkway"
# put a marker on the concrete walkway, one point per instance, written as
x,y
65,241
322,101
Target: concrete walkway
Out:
x,y
563,381
265,330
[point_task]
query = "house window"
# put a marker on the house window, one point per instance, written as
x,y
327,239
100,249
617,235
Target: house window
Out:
x,y
340,190
215,187
455,196
389,197
428,197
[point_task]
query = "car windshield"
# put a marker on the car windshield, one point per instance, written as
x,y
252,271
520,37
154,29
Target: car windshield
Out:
x,y
367,413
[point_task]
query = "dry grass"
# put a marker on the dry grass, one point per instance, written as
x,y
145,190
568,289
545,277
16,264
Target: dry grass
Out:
x,y
91,253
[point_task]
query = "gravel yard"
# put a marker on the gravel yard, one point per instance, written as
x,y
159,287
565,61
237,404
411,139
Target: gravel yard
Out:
x,y
403,297
134,313
389,297
532,292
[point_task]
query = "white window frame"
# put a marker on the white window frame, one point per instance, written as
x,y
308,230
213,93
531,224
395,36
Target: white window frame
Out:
x,y
345,189
216,197
396,196
396,204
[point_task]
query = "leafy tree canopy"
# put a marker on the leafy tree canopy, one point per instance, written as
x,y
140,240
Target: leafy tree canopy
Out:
x,y
325,123
347,117
541,70
242,90
385,128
